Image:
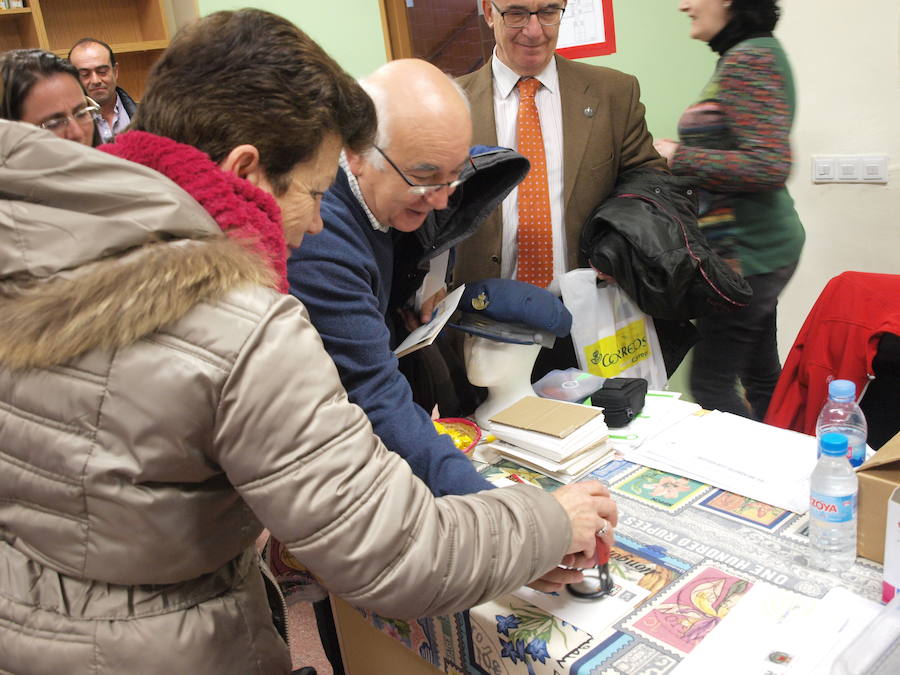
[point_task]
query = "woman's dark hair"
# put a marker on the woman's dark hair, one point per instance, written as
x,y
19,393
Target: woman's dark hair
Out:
x,y
755,16
250,76
20,70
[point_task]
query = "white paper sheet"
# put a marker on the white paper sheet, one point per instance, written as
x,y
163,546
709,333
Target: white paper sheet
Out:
x,y
773,631
748,458
583,24
661,410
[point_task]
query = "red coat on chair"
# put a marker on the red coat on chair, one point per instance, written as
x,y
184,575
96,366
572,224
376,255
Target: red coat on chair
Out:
x,y
838,340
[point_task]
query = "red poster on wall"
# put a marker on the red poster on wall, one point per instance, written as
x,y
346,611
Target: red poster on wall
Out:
x,y
587,29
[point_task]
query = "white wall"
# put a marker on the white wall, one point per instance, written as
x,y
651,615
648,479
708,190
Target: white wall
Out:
x,y
846,61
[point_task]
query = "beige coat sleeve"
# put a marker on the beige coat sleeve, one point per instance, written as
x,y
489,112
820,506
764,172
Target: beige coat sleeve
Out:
x,y
310,467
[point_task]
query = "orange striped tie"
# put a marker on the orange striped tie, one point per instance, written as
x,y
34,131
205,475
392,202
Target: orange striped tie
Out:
x,y
535,234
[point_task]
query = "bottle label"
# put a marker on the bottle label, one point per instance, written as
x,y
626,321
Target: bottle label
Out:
x,y
832,509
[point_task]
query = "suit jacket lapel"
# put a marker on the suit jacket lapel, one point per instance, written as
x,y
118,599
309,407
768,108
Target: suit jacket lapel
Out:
x,y
481,96
574,97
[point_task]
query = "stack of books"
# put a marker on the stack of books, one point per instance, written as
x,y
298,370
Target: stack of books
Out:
x,y
564,441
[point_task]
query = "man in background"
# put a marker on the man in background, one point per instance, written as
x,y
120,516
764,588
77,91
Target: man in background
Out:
x,y
580,126
99,74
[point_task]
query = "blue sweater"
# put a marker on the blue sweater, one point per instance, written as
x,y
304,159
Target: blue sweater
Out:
x,y
343,277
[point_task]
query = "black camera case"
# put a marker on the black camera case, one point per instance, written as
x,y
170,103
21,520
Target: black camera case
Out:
x,y
622,399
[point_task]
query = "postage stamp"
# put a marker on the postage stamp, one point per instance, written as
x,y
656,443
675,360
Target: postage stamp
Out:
x,y
797,529
745,510
683,615
649,567
612,470
660,490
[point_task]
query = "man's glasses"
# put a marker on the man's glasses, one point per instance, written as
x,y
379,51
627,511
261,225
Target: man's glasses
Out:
x,y
82,116
519,18
422,190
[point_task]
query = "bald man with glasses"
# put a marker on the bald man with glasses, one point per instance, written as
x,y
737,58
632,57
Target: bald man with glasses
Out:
x,y
392,214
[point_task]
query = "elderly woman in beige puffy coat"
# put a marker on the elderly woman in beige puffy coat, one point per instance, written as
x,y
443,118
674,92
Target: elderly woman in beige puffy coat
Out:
x,y
161,403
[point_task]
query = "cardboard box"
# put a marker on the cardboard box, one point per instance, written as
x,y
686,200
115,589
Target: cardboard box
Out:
x,y
877,479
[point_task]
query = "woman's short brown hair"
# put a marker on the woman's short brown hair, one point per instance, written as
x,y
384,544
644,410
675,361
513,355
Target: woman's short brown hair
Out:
x,y
252,77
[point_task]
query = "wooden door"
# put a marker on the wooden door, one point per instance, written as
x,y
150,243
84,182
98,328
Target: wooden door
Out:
x,y
451,34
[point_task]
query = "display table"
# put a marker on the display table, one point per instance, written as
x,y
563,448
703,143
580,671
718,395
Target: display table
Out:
x,y
685,554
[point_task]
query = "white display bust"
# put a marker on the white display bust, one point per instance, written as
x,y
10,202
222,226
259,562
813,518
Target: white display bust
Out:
x,y
503,367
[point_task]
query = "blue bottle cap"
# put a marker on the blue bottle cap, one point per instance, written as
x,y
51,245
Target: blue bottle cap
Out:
x,y
833,445
841,389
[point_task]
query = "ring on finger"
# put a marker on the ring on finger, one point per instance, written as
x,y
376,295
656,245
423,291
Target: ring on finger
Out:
x,y
603,529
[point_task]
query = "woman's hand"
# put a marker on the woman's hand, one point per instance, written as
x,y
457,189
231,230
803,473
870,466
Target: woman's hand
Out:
x,y
591,511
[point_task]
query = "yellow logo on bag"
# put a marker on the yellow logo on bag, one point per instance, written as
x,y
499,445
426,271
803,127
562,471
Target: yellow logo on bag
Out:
x,y
612,355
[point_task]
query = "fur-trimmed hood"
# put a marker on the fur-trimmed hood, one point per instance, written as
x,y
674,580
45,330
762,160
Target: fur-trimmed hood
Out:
x,y
97,252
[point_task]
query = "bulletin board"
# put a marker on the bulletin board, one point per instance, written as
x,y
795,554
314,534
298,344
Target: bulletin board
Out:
x,y
587,29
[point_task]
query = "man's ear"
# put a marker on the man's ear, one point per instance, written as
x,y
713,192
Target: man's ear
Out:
x,y
243,162
355,161
488,12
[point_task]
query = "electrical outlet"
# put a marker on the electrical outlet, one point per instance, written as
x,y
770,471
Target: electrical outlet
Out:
x,y
874,168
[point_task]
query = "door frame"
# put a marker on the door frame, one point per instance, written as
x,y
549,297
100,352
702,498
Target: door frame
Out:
x,y
395,25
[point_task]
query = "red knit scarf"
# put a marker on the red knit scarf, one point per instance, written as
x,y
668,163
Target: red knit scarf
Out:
x,y
241,209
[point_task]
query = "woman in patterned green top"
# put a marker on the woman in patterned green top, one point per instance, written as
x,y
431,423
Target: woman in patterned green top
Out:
x,y
735,141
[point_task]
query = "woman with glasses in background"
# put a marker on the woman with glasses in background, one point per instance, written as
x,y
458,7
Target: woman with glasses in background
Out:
x,y
42,89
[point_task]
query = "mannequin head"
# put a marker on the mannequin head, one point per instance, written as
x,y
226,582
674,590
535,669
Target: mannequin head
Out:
x,y
507,322
503,367
490,363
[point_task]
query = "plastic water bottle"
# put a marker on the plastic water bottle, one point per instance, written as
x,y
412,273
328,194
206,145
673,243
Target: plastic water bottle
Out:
x,y
832,507
842,415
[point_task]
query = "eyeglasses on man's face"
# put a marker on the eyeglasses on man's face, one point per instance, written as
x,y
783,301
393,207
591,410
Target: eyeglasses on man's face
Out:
x,y
422,190
519,18
83,117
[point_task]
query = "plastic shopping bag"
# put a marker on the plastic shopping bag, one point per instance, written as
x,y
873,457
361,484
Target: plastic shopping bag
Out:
x,y
612,337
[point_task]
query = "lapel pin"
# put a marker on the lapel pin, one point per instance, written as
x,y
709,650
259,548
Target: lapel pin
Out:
x,y
588,112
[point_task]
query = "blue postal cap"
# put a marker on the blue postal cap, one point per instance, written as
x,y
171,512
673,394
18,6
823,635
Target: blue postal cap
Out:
x,y
513,311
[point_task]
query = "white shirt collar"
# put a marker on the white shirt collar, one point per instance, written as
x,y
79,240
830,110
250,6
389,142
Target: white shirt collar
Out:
x,y
357,192
505,78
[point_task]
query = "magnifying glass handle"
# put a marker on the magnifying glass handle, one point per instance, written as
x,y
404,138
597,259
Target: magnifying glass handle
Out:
x,y
606,582
602,552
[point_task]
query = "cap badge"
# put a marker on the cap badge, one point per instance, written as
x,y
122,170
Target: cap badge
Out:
x,y
480,301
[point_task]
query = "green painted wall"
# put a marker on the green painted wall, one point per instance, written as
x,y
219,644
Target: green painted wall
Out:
x,y
350,30
651,37
652,43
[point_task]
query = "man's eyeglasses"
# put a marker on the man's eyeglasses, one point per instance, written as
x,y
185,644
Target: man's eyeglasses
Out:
x,y
519,18
82,116
422,190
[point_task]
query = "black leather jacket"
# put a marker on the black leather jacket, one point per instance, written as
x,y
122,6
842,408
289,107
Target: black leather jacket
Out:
x,y
646,236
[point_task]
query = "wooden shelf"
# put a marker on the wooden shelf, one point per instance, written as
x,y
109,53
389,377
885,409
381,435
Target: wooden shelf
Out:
x,y
135,29
121,48
113,21
18,29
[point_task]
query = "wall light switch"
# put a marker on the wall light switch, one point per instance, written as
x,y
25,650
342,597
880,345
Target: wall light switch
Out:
x,y
874,168
849,168
822,169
